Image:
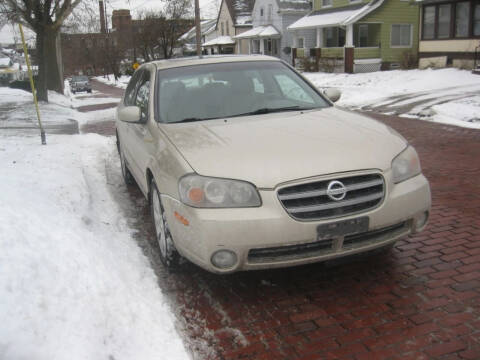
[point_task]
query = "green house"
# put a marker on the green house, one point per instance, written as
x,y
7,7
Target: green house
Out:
x,y
357,35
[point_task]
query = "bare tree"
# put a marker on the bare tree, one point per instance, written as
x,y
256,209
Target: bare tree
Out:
x,y
45,18
157,33
84,19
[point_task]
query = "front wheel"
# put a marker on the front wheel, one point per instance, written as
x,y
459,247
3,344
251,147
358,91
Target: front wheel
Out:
x,y
168,254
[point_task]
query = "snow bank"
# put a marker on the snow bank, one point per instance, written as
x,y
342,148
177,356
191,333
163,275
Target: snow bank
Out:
x,y
122,82
73,282
404,87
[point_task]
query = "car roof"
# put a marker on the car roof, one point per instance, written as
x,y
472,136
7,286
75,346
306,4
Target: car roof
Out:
x,y
212,59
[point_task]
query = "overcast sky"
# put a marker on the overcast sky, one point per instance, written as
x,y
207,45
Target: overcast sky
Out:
x,y
207,11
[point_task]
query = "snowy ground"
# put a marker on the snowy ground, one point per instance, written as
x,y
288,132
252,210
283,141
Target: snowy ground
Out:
x,y
122,82
74,283
447,95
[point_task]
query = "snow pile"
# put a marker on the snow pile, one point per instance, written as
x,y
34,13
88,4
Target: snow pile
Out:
x,y
445,95
73,283
463,110
20,110
122,81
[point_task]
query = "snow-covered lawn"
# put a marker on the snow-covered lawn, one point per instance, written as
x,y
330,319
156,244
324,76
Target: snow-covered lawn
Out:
x,y
74,284
122,81
444,95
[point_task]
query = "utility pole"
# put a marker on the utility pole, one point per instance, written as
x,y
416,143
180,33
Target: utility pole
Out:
x,y
198,28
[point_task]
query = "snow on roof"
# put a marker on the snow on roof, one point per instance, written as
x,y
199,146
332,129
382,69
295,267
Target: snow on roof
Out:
x,y
206,26
243,20
335,17
240,11
260,32
294,5
5,62
221,40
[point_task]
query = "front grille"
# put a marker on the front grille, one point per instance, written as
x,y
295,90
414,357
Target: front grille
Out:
x,y
290,252
311,202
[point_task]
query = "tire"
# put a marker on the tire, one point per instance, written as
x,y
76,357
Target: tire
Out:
x,y
168,254
126,174
89,91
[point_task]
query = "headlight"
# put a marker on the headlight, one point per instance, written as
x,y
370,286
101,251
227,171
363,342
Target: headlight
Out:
x,y
207,192
406,165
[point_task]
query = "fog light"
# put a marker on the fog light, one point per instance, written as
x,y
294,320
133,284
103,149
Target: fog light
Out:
x,y
421,221
224,259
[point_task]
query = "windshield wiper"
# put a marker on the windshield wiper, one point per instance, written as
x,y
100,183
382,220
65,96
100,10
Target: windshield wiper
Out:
x,y
273,110
192,119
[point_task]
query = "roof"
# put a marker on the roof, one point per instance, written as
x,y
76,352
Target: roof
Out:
x,y
206,27
259,32
294,5
214,59
221,40
335,16
240,11
5,62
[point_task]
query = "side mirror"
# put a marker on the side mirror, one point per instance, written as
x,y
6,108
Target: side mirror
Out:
x,y
131,114
333,94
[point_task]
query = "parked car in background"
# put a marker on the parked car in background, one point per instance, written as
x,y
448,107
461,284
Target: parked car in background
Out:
x,y
80,83
247,166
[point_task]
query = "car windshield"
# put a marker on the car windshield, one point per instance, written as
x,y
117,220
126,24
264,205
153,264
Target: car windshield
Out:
x,y
80,78
222,90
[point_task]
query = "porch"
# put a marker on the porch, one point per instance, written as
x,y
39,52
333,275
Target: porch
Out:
x,y
338,39
354,48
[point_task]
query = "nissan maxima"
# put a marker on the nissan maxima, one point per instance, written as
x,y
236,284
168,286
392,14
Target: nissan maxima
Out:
x,y
247,165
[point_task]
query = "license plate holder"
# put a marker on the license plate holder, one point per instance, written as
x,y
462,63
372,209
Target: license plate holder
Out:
x,y
342,228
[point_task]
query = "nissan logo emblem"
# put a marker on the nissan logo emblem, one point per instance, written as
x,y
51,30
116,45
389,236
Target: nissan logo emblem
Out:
x,y
336,190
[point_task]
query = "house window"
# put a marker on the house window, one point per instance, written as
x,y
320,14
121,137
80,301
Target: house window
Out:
x,y
462,13
261,11
223,28
444,19
363,35
300,42
429,22
335,37
228,30
270,10
326,3
476,20
401,35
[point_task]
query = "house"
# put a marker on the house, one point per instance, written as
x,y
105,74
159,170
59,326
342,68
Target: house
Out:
x,y
9,71
270,20
450,33
189,39
358,35
234,18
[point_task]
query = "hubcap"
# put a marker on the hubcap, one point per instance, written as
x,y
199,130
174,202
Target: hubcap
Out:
x,y
159,224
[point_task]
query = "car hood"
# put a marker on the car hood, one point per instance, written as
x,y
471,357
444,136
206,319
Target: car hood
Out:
x,y
270,149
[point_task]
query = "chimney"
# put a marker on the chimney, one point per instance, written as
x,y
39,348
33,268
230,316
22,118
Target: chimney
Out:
x,y
103,30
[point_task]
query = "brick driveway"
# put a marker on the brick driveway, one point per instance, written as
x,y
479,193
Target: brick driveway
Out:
x,y
421,300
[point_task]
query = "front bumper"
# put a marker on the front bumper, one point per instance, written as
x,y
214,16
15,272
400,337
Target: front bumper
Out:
x,y
252,232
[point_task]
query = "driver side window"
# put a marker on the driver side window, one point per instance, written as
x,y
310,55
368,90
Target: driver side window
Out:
x,y
142,98
132,88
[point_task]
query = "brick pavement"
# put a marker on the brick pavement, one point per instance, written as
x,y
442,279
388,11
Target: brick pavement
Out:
x,y
421,300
